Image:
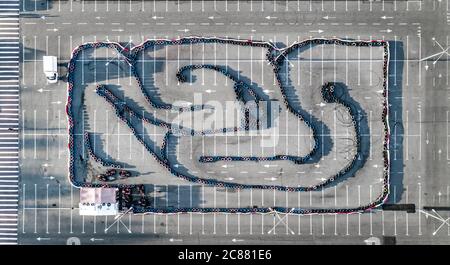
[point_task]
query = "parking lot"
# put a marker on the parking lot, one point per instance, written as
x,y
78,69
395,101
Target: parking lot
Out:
x,y
48,211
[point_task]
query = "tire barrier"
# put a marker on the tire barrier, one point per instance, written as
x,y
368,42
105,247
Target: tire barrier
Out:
x,y
239,87
242,210
87,141
109,96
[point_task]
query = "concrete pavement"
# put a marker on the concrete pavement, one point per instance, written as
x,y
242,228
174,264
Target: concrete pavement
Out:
x,y
421,100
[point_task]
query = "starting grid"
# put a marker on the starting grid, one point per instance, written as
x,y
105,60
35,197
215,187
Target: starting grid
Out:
x,y
277,58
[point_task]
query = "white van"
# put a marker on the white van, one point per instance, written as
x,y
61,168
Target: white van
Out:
x,y
51,68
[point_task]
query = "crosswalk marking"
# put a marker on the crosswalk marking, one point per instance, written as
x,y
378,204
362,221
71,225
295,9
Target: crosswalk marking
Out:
x,y
9,122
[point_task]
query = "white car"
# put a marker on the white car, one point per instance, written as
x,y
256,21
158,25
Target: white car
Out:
x,y
51,68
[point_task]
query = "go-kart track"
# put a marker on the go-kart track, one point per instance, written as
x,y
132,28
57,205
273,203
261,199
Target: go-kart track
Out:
x,y
145,124
230,122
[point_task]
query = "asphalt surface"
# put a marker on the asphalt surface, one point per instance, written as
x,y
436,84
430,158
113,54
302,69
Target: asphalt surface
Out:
x,y
48,212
